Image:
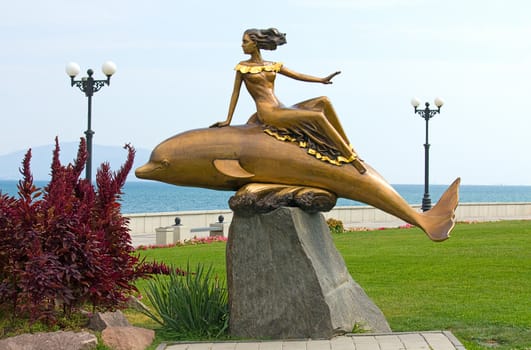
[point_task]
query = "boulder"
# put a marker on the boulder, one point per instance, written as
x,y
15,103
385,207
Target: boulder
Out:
x,y
137,305
127,338
286,279
51,341
101,320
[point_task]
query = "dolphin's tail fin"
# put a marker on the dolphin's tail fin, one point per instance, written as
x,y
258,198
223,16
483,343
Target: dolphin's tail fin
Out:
x,y
440,220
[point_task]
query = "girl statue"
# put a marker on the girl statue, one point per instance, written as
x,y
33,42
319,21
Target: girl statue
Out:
x,y
313,124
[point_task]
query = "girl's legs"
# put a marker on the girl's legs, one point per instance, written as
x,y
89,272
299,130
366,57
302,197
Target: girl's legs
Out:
x,y
323,104
295,118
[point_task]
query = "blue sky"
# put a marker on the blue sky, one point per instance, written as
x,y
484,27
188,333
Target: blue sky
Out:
x,y
175,64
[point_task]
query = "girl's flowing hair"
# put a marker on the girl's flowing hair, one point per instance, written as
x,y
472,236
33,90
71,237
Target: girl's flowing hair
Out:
x,y
267,39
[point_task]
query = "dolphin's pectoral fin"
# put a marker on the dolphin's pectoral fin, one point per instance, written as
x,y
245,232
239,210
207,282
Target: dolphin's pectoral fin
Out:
x,y
232,168
256,198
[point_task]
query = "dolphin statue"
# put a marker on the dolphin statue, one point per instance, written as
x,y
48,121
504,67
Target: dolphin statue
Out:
x,y
231,157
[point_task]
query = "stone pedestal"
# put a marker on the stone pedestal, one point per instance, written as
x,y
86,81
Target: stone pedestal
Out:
x,y
287,280
172,234
222,229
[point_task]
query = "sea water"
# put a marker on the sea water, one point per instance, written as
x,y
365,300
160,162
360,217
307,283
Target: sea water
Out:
x,y
153,197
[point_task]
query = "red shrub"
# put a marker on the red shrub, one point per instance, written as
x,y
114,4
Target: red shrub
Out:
x,y
160,268
68,245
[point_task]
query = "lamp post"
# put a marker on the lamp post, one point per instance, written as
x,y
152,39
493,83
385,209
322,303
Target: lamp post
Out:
x,y
89,86
427,114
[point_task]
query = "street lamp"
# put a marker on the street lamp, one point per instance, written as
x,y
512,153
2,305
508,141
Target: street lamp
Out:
x,y
89,86
427,114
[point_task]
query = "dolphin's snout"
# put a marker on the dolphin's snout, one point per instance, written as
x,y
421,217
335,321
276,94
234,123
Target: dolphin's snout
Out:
x,y
152,169
147,170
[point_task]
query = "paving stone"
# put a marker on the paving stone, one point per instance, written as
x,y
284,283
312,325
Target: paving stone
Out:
x,y
271,345
455,342
414,341
389,342
247,346
438,341
318,345
200,346
342,343
223,346
176,347
294,345
365,342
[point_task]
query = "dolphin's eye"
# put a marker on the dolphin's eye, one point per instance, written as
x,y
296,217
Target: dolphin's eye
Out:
x,y
165,163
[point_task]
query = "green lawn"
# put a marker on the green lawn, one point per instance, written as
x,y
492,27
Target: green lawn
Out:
x,y
477,284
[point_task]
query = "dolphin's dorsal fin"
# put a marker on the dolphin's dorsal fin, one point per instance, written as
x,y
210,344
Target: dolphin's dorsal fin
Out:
x,y
232,168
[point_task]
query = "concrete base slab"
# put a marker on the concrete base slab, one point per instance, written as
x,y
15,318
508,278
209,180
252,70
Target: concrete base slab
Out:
x,y
436,340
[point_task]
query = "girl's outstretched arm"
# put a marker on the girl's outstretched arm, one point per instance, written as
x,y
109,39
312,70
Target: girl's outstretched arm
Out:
x,y
309,78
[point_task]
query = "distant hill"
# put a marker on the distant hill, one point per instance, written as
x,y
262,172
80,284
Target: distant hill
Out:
x,y
41,160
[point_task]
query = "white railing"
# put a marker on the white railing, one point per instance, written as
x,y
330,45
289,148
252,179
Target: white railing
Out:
x,y
354,216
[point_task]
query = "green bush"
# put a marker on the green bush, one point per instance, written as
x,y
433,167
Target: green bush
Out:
x,y
191,306
335,226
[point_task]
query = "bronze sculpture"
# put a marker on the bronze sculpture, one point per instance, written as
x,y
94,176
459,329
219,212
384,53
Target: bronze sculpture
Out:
x,y
299,152
313,123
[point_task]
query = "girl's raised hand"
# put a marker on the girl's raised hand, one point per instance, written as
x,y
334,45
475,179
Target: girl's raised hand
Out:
x,y
328,79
